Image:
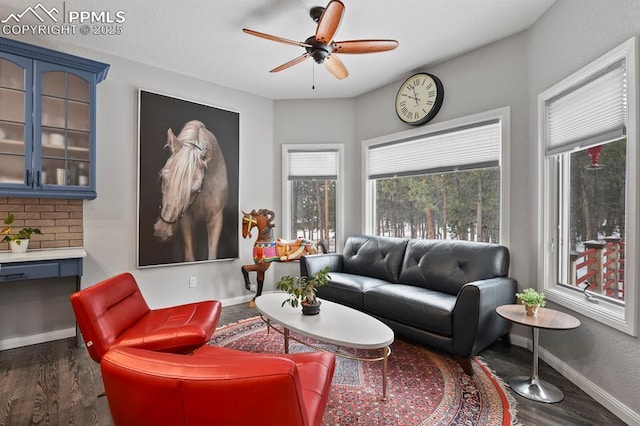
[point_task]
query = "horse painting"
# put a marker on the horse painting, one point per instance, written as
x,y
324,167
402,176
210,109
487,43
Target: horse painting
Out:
x,y
194,188
267,249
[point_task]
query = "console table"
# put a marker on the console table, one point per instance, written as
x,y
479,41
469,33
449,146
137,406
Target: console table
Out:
x,y
44,263
532,387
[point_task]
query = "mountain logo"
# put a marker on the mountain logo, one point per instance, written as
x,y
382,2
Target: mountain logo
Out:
x,y
38,11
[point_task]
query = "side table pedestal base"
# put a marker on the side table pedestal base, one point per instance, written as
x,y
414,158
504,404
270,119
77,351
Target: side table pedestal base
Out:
x,y
536,389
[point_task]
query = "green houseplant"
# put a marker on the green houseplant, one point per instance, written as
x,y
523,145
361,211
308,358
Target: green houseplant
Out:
x,y
18,241
302,290
531,299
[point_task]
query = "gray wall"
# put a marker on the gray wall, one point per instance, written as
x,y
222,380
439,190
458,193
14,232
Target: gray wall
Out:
x,y
488,78
569,36
110,221
317,122
511,73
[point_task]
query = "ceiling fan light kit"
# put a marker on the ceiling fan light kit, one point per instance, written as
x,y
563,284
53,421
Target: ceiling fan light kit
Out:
x,y
321,46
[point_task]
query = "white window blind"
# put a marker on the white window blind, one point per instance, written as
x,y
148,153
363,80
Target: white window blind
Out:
x,y
592,113
306,165
456,149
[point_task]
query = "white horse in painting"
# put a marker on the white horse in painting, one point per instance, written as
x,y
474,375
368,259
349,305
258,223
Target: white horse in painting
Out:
x,y
194,188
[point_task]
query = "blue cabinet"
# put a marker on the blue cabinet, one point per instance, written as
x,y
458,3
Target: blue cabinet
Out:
x,y
47,122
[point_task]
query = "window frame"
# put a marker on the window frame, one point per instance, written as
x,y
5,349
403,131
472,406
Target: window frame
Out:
x,y
502,115
286,187
553,182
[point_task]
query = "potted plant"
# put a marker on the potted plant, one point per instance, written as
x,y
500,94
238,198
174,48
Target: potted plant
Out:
x,y
302,290
18,241
532,300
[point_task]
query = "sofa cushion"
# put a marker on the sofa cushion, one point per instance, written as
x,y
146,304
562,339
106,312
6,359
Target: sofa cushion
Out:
x,y
447,265
414,306
347,289
375,257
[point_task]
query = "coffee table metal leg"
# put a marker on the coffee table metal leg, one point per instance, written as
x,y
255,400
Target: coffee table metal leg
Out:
x,y
286,340
386,351
385,355
532,387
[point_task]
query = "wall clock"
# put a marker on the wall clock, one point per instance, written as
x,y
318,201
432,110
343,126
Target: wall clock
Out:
x,y
419,99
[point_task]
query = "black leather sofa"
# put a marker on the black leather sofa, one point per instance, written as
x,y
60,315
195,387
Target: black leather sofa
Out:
x,y
442,293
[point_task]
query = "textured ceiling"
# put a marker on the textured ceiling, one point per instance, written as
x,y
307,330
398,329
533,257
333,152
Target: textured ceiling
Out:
x,y
204,39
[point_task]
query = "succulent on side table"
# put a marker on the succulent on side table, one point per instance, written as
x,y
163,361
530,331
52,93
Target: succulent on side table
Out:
x,y
532,300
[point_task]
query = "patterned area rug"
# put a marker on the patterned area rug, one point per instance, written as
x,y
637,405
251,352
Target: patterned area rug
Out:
x,y
424,387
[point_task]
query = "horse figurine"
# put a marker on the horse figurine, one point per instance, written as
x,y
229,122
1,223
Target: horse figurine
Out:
x,y
267,249
194,188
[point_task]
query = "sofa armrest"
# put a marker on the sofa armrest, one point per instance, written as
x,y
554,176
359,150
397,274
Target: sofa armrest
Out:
x,y
476,324
313,263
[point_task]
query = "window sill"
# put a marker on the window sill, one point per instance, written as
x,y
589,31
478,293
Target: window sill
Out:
x,y
605,312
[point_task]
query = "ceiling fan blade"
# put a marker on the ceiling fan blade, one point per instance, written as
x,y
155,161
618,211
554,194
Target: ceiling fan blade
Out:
x,y
363,46
275,38
291,63
329,21
336,67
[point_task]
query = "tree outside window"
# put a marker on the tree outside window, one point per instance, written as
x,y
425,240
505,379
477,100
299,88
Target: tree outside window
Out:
x,y
313,214
462,205
596,231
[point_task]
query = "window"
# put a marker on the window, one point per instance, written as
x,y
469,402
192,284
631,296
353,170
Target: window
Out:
x,y
312,192
589,152
442,181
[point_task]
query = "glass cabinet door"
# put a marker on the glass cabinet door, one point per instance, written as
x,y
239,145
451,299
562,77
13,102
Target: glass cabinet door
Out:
x,y
65,128
47,122
15,121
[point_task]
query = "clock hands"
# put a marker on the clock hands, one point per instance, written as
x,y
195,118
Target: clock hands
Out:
x,y
415,98
415,95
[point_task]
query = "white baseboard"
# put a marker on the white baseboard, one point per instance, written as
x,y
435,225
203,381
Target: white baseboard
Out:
x,y
65,333
621,410
17,342
237,300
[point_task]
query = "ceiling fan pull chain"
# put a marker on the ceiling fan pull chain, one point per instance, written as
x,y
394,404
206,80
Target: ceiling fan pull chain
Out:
x,y
313,76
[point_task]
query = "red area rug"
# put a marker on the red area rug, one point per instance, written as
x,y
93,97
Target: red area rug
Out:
x,y
424,387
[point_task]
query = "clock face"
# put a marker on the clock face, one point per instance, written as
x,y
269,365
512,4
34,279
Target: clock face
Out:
x,y
419,98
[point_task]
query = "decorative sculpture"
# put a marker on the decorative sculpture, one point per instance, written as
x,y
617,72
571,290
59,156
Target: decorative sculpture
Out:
x,y
267,249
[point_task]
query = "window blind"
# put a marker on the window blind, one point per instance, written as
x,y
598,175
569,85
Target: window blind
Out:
x,y
308,165
592,113
455,149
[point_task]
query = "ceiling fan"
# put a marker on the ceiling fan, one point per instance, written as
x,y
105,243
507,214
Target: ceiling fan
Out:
x,y
321,46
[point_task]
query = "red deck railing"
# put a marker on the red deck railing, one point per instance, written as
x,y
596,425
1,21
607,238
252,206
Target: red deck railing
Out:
x,y
601,264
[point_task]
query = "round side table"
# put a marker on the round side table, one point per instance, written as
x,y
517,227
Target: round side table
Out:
x,y
532,387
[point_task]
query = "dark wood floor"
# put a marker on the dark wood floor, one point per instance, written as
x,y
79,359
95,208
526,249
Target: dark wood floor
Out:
x,y
56,383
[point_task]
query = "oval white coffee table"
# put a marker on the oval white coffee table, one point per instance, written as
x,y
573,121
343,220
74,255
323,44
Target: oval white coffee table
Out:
x,y
336,324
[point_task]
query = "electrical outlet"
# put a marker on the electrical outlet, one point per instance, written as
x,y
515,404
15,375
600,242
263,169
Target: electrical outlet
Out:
x,y
193,282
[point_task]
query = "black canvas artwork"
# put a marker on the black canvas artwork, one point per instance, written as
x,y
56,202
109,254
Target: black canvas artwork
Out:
x,y
188,181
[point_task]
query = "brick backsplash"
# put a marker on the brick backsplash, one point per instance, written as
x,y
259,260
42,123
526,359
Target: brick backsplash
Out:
x,y
60,220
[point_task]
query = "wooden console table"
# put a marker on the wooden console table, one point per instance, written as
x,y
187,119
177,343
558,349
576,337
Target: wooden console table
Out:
x,y
532,387
44,263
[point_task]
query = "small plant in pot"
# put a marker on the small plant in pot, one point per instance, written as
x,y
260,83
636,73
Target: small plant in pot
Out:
x,y
531,300
18,241
302,290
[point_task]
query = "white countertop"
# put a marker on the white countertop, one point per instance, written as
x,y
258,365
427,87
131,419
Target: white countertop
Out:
x,y
33,255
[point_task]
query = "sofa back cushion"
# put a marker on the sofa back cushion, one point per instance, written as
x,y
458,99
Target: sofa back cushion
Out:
x,y
447,265
375,257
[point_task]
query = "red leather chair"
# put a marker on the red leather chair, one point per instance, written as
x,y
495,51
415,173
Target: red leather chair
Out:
x,y
114,313
216,386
